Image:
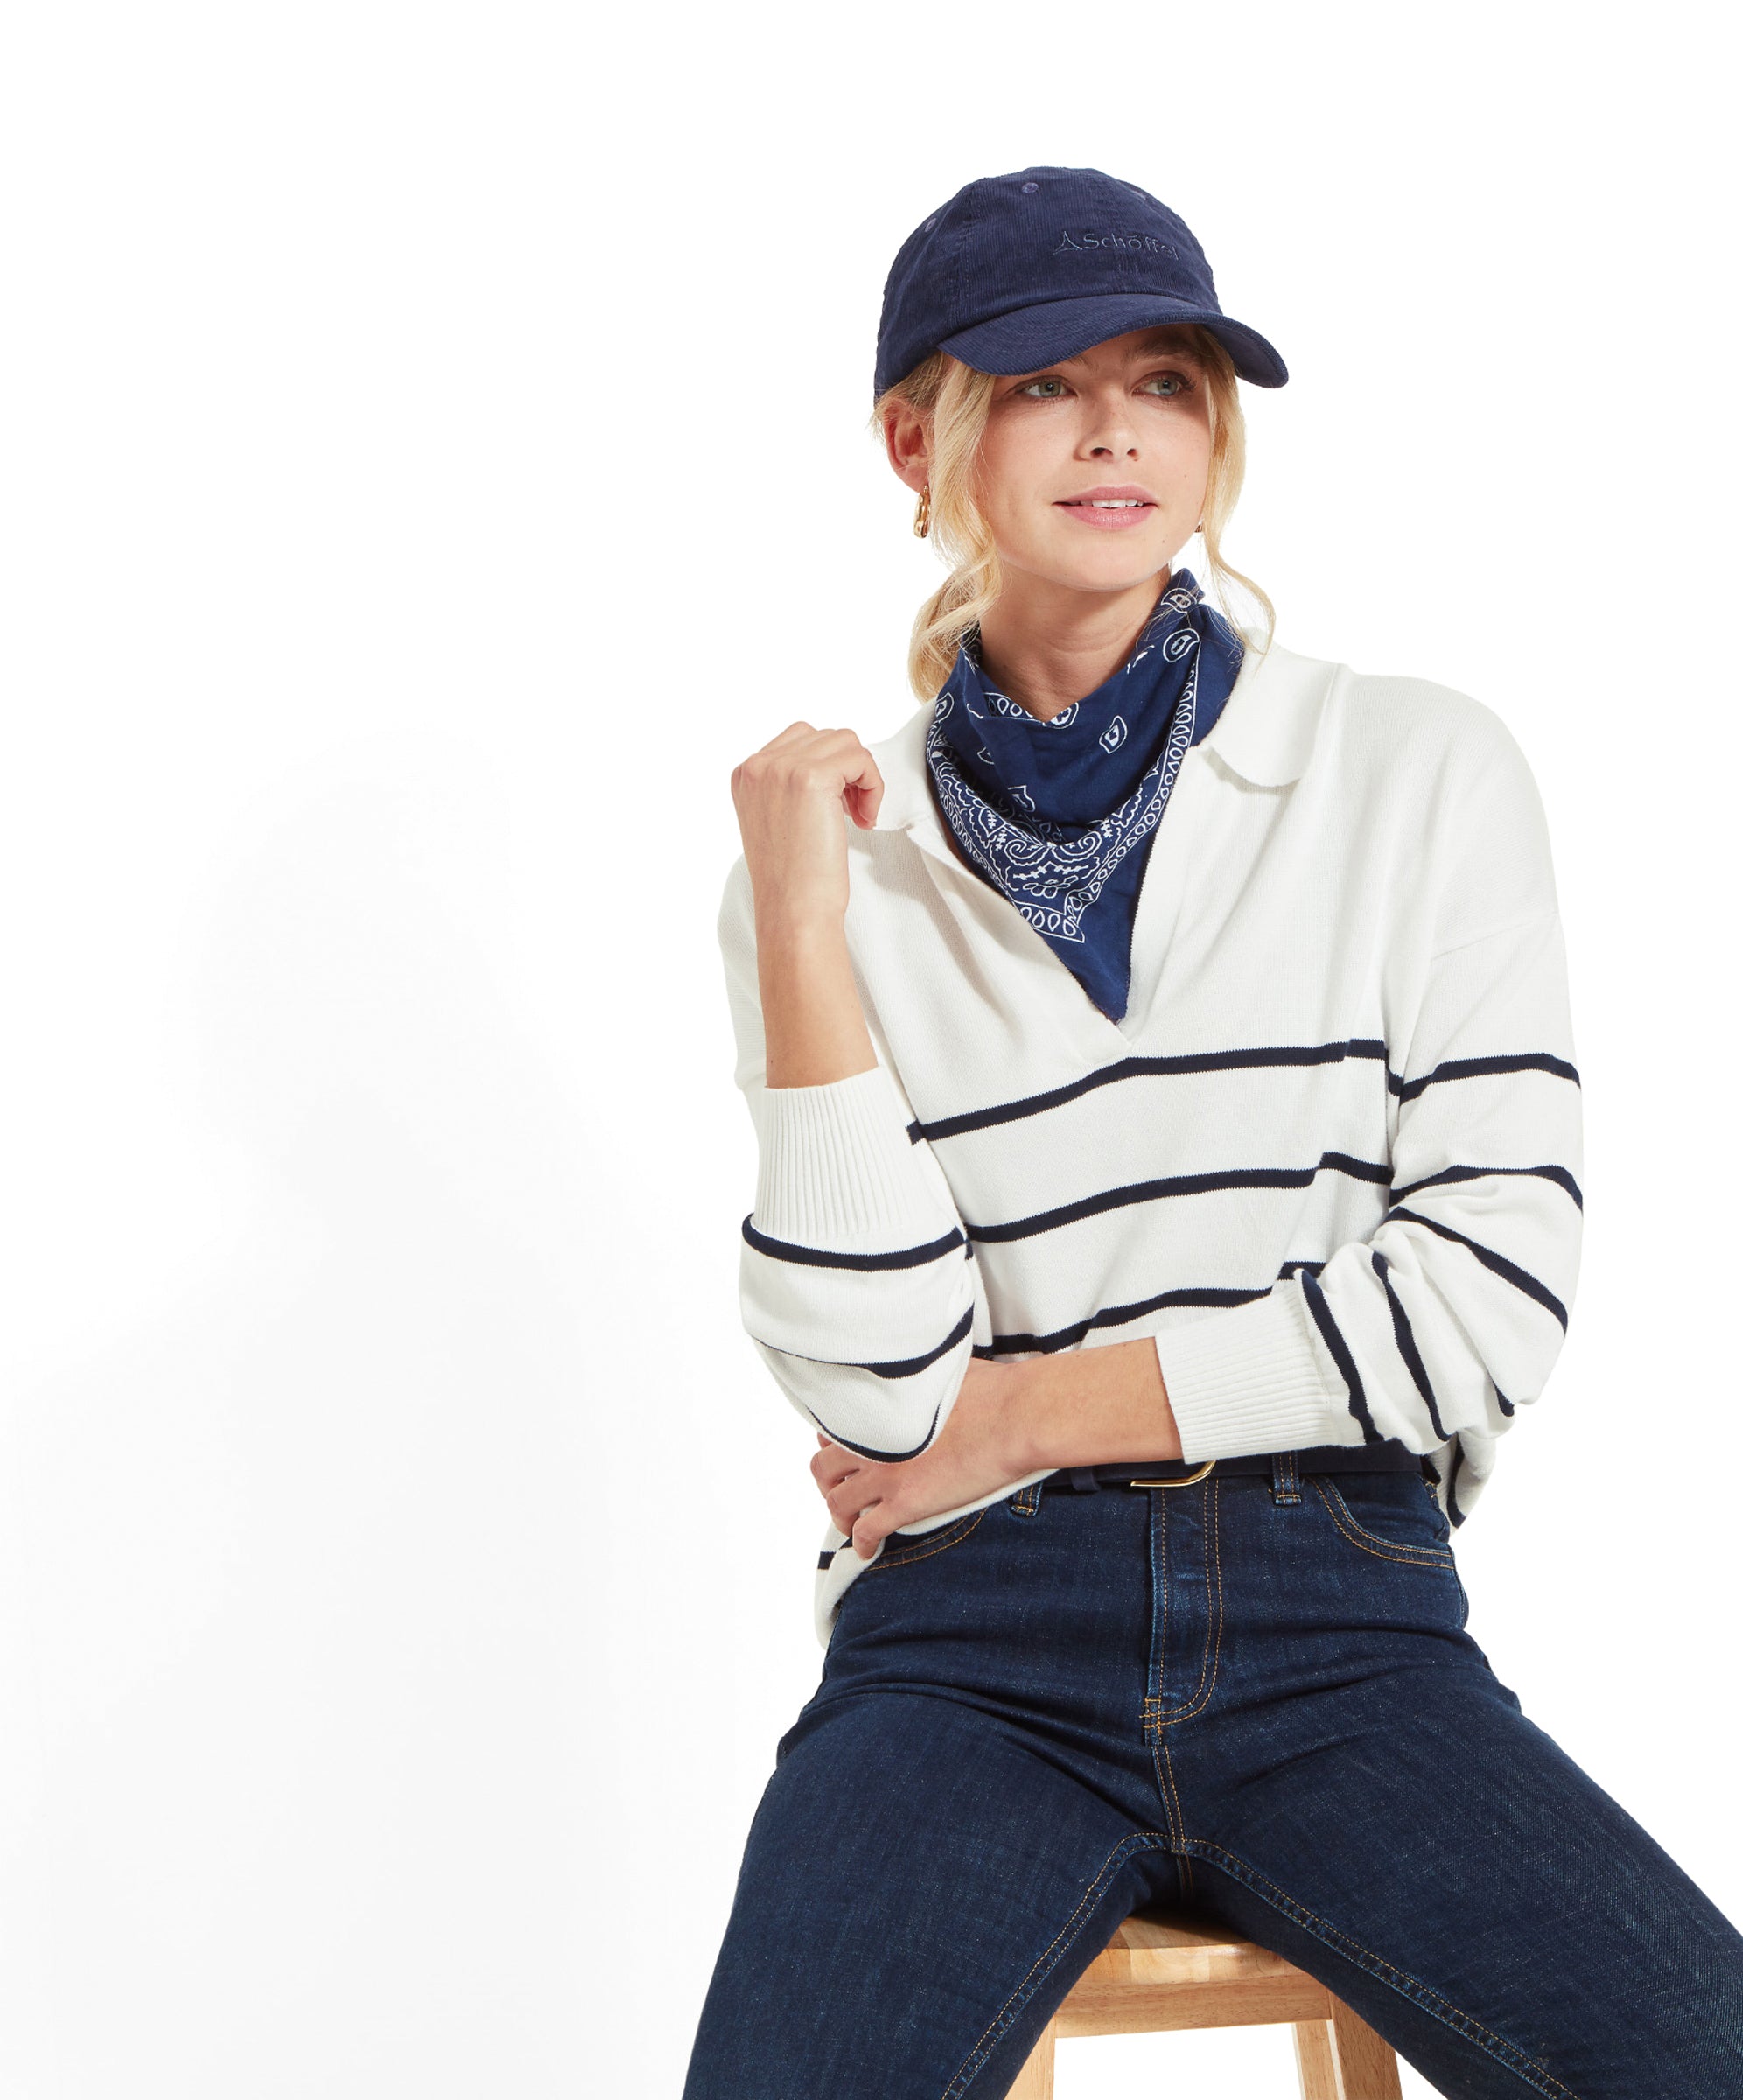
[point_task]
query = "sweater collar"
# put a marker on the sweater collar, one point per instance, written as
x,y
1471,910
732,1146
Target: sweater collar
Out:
x,y
1265,733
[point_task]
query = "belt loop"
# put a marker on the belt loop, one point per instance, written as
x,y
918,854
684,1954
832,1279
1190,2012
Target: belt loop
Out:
x,y
1027,1501
1285,1479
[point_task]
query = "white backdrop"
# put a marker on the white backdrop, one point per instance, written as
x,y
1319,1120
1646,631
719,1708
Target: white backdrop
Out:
x,y
434,453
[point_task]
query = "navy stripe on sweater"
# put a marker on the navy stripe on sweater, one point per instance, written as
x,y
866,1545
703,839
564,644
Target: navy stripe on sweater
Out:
x,y
871,1451
1116,1316
1237,1060
1560,1175
1182,1185
823,1257
1521,1278
904,1367
1340,1355
1215,1295
1148,1067
1452,1508
1482,1068
1404,1336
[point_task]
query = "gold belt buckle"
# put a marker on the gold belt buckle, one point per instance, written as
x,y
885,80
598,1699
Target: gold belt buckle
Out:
x,y
1186,1480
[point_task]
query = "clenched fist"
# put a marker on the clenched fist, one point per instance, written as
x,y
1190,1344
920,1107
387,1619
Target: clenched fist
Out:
x,y
790,796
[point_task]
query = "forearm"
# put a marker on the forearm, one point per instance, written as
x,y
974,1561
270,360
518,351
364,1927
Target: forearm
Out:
x,y
1087,1407
813,1027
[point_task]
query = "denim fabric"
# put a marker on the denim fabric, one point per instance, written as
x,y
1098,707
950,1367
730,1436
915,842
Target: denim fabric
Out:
x,y
1252,1698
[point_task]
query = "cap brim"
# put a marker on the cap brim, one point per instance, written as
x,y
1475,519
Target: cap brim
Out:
x,y
1033,336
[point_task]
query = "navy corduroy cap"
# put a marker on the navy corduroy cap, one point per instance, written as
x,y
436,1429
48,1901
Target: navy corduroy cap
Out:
x,y
1018,271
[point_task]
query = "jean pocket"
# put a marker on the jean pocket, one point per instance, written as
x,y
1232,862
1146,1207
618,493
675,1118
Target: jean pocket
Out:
x,y
901,1548
1390,1515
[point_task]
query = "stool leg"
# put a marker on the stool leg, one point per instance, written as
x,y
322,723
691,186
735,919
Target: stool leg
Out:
x,y
1343,2059
1314,2064
1035,2079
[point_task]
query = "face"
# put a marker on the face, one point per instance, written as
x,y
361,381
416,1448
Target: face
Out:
x,y
1093,470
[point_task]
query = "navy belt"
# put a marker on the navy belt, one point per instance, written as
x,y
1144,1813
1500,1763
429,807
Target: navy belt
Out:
x,y
1177,1473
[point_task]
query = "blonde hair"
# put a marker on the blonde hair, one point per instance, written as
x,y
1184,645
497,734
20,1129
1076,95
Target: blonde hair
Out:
x,y
954,401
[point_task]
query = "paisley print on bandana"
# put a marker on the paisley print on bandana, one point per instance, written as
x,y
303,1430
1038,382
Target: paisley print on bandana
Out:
x,y
1060,816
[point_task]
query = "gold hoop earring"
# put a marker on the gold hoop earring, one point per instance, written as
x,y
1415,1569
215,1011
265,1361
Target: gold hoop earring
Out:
x,y
922,513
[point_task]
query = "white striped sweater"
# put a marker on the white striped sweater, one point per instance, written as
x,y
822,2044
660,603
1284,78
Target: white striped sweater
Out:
x,y
1330,1158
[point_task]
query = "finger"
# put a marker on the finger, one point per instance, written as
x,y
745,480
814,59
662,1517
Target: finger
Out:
x,y
793,731
870,1529
832,1466
863,790
862,783
847,1505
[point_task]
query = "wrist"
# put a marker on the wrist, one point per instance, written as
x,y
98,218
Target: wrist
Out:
x,y
798,923
814,1026
1087,1407
1034,1415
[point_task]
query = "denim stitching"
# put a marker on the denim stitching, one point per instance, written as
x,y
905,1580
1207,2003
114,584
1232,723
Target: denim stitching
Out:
x,y
1170,1807
955,1534
1158,1624
1336,1493
1155,1713
1370,1542
1163,1756
976,2061
1171,1802
1154,1717
1408,1986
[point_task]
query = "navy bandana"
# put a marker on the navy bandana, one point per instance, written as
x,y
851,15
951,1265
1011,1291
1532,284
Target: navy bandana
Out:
x,y
1060,815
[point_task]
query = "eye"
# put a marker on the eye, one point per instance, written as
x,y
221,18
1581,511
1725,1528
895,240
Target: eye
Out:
x,y
1168,385
1032,388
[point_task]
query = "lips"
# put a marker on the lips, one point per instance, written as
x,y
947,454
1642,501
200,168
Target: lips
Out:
x,y
1112,496
1111,509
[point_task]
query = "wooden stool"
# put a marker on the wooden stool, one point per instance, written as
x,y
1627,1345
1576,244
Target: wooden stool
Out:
x,y
1161,1971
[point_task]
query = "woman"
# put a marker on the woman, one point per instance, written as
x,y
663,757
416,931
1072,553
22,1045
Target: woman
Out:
x,y
1169,1143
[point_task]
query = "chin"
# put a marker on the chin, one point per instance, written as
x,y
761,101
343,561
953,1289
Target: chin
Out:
x,y
1106,562
1107,576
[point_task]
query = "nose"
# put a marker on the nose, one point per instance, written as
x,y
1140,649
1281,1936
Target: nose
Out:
x,y
1109,430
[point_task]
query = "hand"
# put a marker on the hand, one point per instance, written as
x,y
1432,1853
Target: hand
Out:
x,y
982,1445
789,797
1082,1407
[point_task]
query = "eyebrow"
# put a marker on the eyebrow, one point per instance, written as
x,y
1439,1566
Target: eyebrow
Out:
x,y
1184,350
1149,354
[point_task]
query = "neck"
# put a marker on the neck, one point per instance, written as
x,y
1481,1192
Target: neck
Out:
x,y
1044,646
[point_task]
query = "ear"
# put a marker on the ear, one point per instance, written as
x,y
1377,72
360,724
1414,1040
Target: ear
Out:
x,y
908,444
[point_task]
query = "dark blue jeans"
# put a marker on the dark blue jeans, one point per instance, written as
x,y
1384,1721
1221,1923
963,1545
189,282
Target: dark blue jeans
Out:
x,y
1254,1697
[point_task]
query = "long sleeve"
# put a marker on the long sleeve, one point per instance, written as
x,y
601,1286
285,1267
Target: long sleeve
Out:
x,y
857,1281
1450,1316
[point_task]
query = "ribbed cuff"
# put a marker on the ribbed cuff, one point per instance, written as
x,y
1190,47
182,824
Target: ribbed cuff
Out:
x,y
1251,1379
836,1167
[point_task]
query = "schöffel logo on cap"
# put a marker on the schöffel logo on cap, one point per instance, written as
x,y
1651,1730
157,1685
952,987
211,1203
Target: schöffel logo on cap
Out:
x,y
1146,243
